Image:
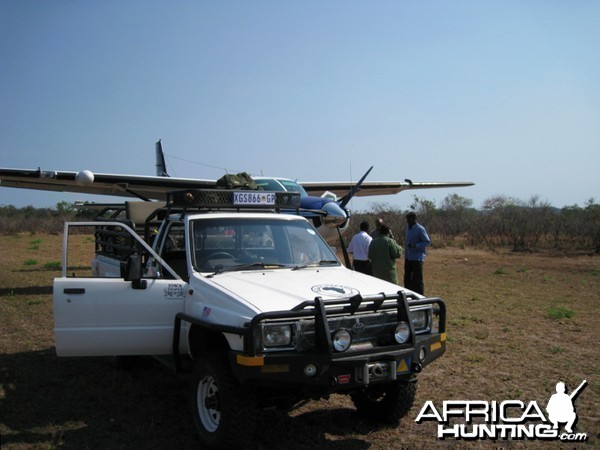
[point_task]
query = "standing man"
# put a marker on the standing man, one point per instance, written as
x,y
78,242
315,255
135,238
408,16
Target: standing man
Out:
x,y
359,247
417,241
377,229
383,253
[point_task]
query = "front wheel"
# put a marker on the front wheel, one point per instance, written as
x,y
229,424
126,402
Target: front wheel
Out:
x,y
224,413
385,403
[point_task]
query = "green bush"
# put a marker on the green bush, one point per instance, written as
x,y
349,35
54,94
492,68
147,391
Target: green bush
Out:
x,y
560,312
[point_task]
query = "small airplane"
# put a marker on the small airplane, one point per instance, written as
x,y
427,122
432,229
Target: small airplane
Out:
x,y
325,201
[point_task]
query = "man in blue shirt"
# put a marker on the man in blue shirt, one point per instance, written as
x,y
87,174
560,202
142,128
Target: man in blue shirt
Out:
x,y
417,241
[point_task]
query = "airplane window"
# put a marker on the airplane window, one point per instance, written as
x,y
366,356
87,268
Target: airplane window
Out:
x,y
292,186
281,185
269,185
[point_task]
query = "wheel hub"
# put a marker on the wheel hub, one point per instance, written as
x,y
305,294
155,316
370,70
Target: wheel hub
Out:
x,y
207,399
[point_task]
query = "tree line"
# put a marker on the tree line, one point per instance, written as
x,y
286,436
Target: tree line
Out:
x,y
501,222
33,220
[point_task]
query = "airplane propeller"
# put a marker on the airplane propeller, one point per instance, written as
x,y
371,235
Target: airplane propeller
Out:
x,y
344,250
342,204
332,214
346,198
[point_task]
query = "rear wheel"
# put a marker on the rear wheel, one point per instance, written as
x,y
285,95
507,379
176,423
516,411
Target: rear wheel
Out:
x,y
385,403
224,413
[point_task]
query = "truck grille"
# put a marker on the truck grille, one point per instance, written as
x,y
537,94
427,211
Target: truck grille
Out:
x,y
367,330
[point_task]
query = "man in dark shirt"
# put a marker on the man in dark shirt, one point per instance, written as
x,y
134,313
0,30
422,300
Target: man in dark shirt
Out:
x,y
383,253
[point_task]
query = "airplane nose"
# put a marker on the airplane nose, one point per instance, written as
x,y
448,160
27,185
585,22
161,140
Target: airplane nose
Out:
x,y
335,215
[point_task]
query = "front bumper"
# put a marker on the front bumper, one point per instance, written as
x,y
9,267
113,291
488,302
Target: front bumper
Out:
x,y
321,369
337,372
325,369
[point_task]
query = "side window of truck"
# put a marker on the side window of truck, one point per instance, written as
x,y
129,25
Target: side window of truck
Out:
x,y
99,250
173,250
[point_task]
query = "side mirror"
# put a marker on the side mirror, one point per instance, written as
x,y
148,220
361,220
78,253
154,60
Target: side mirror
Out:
x,y
131,270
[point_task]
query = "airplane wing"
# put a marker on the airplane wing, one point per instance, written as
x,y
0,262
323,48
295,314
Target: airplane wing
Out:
x,y
86,182
368,188
156,187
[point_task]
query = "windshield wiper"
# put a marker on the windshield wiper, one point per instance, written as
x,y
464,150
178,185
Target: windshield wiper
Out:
x,y
315,264
261,265
328,261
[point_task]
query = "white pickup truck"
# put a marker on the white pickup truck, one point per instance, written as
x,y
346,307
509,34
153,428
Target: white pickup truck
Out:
x,y
251,300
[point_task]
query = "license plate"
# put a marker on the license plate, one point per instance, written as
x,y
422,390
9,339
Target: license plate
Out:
x,y
253,198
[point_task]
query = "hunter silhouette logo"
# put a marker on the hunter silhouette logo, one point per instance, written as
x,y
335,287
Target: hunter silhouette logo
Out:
x,y
560,407
508,419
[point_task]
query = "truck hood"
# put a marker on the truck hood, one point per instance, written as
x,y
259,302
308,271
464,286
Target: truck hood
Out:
x,y
282,289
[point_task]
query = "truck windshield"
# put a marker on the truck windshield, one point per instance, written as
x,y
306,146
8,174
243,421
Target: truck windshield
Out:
x,y
224,243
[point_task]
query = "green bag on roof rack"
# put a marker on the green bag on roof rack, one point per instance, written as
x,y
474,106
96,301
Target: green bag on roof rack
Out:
x,y
241,180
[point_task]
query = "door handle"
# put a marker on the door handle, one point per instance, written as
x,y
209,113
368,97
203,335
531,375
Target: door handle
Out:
x,y
74,291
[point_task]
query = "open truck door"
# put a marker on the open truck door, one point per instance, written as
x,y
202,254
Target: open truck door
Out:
x,y
124,304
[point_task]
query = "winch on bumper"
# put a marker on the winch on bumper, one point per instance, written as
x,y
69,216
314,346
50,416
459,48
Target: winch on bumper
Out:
x,y
334,345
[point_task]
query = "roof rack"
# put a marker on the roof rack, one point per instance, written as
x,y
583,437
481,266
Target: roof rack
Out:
x,y
232,199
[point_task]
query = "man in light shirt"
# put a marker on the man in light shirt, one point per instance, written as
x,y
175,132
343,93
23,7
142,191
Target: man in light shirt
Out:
x,y
359,247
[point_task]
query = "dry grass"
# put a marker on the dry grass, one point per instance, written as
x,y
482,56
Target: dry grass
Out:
x,y
517,324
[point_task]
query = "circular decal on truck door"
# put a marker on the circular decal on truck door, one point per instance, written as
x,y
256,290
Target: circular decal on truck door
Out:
x,y
334,290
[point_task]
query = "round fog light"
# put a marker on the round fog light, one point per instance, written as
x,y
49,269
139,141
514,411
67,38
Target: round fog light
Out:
x,y
402,333
341,340
310,370
422,354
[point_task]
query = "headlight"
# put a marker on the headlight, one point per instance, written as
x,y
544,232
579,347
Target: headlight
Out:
x,y
277,335
402,333
341,340
420,319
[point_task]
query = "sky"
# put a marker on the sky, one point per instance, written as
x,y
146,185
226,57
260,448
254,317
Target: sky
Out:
x,y
502,93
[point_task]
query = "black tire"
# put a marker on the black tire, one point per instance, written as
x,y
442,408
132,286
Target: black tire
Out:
x,y
224,413
385,403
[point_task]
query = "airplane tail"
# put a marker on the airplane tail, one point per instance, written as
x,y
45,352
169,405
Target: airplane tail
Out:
x,y
161,166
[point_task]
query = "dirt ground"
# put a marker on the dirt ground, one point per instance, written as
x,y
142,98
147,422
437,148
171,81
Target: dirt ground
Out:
x,y
517,324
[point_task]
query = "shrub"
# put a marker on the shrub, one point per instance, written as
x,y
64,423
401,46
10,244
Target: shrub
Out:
x,y
560,312
54,265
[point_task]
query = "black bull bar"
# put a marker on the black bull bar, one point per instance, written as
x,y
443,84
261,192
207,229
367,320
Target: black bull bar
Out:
x,y
318,309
